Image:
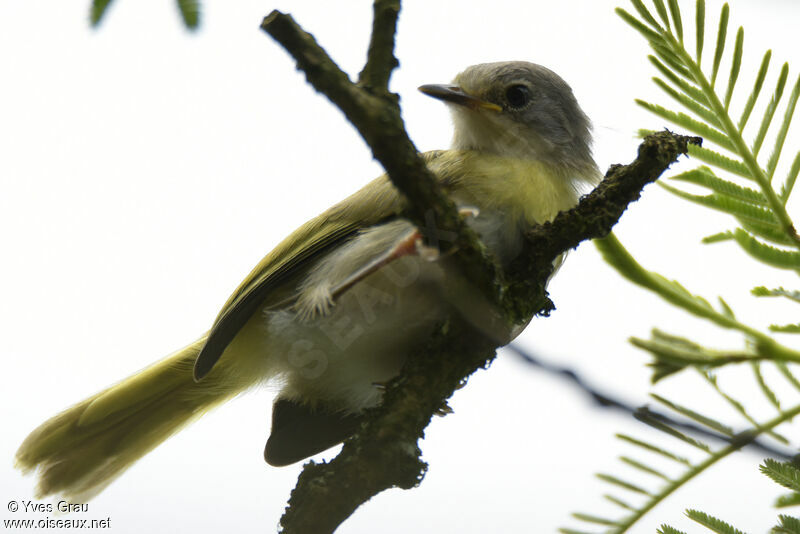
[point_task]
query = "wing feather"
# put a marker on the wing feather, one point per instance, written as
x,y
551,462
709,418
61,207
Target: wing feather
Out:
x,y
276,277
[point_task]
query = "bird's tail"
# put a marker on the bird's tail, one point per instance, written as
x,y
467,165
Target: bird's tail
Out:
x,y
80,451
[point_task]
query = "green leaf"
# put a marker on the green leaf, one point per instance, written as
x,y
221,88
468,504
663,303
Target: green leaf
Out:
x,y
705,177
716,159
751,100
673,61
700,18
739,209
595,519
647,417
717,238
725,308
619,502
784,130
622,484
690,104
782,259
712,523
771,397
654,449
700,128
786,328
666,529
770,112
661,8
784,473
788,525
645,14
98,11
676,19
735,66
671,357
738,405
642,467
762,291
767,231
790,499
791,178
646,32
618,257
190,13
687,87
722,32
691,414
784,369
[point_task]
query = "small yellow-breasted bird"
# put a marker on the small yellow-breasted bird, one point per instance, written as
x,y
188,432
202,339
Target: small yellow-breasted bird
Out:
x,y
334,309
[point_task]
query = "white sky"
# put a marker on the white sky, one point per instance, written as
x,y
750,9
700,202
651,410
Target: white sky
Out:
x,y
144,171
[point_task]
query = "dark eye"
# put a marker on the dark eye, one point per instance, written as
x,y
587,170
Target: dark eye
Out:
x,y
518,96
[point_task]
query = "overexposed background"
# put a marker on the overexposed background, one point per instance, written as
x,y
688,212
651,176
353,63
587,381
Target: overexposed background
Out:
x,y
144,170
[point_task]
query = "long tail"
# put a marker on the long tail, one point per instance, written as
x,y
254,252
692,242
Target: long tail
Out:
x,y
80,451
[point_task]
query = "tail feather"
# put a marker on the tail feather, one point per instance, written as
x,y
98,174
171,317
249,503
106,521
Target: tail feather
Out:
x,y
80,451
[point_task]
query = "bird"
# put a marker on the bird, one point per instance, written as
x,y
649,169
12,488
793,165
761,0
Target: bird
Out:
x,y
333,311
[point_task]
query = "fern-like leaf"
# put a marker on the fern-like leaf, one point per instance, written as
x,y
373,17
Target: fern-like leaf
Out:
x,y
771,108
765,389
619,502
785,501
689,103
681,119
735,66
190,13
783,259
762,291
677,21
654,449
717,525
722,32
595,519
98,11
642,467
759,83
787,525
705,177
784,369
706,155
647,417
784,129
785,328
791,178
765,231
784,473
624,484
730,205
695,416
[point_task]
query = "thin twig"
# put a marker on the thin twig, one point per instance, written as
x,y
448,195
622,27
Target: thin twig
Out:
x,y
610,401
380,56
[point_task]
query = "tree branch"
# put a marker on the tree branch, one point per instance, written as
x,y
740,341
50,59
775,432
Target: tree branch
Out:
x,y
383,453
380,55
593,218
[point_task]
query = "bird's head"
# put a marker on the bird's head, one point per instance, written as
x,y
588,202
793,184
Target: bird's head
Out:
x,y
517,109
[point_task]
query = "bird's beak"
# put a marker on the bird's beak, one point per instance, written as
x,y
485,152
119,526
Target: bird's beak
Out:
x,y
455,95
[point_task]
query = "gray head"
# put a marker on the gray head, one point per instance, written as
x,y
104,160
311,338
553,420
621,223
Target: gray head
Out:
x,y
518,109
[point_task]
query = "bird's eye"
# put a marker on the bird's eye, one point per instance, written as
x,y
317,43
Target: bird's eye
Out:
x,y
518,96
